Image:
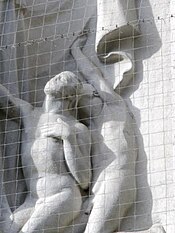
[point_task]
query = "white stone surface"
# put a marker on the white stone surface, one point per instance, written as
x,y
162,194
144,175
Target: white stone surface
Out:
x,y
154,102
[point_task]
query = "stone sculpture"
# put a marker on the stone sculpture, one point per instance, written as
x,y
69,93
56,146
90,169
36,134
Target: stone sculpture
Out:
x,y
24,43
59,157
113,148
53,192
103,113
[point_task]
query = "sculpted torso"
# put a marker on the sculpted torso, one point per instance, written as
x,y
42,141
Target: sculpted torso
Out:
x,y
113,161
111,135
30,119
49,172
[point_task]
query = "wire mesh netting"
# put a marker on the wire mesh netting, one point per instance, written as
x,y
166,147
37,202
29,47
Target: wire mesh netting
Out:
x,y
86,120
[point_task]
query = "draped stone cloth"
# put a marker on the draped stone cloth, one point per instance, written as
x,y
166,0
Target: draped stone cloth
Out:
x,y
35,39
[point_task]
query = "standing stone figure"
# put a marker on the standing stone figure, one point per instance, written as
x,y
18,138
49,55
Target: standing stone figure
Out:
x,y
57,164
113,147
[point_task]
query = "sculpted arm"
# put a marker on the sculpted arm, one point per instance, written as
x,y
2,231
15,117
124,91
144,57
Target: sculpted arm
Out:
x,y
77,154
77,145
7,103
12,106
90,72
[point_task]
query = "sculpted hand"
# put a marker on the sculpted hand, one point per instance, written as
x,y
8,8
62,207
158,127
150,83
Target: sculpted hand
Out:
x,y
59,129
4,90
79,42
63,129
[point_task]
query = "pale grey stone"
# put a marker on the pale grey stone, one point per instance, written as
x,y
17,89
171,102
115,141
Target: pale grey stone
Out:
x,y
117,20
154,229
54,158
114,152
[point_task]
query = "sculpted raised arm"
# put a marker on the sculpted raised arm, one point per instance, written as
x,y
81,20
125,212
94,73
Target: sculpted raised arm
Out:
x,y
90,72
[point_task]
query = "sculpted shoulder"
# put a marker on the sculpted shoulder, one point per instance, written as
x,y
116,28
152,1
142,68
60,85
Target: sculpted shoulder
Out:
x,y
81,128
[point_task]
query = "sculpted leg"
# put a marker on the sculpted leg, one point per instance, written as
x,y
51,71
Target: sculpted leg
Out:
x,y
111,203
157,228
53,214
79,224
22,214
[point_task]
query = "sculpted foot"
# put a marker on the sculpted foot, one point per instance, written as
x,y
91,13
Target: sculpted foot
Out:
x,y
156,228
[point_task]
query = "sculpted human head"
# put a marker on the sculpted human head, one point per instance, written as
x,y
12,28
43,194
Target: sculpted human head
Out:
x,y
90,103
63,86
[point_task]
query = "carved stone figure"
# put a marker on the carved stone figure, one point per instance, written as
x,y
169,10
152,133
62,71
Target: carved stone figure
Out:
x,y
59,158
113,149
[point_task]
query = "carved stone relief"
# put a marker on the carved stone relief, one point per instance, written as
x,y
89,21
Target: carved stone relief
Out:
x,y
73,168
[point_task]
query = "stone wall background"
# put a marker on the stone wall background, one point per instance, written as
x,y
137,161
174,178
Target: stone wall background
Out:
x,y
153,100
